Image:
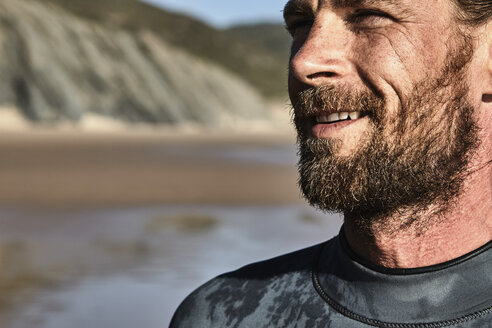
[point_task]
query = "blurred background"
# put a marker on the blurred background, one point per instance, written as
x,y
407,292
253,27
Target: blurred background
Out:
x,y
145,147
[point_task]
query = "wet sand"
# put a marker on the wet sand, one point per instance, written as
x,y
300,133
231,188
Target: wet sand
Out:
x,y
88,219
131,267
80,170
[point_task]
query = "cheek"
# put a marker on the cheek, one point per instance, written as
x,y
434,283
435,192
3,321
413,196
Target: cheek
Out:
x,y
394,56
393,61
478,77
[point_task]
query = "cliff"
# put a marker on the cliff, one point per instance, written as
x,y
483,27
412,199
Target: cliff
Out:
x,y
258,53
59,66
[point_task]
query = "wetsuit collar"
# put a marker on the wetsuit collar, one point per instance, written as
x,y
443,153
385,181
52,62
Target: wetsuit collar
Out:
x,y
424,297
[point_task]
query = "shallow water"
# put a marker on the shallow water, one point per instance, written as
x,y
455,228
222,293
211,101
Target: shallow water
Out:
x,y
131,267
246,154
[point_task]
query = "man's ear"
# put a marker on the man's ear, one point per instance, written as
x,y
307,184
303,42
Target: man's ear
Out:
x,y
487,92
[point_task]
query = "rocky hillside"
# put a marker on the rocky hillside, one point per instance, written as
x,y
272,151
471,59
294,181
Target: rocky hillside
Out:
x,y
269,65
57,64
258,53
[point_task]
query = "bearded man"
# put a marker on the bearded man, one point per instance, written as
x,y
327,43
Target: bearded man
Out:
x,y
393,107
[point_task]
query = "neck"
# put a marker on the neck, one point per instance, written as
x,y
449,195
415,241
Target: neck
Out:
x,y
434,237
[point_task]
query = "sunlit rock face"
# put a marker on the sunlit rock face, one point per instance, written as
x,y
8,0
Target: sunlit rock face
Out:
x,y
55,66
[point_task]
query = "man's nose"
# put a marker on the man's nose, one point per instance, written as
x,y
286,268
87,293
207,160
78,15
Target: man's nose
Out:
x,y
323,57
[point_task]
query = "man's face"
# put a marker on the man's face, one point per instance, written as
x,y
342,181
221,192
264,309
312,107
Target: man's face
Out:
x,y
382,102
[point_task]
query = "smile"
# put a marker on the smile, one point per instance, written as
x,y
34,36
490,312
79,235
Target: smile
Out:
x,y
337,117
335,125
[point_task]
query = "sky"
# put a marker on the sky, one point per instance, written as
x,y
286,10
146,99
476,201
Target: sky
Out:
x,y
223,13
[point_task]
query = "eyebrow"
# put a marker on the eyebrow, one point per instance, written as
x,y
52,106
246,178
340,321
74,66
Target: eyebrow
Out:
x,y
355,3
298,7
349,3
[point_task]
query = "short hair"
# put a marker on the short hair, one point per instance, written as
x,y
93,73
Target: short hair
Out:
x,y
474,12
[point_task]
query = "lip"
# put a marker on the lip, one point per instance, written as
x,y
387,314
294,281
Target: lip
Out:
x,y
332,130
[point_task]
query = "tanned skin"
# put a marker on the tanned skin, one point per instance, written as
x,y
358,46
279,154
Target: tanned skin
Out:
x,y
389,47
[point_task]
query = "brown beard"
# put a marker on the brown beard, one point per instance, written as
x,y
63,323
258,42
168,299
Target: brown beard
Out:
x,y
413,159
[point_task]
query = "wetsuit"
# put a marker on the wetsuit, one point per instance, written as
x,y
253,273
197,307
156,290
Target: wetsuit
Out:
x,y
329,286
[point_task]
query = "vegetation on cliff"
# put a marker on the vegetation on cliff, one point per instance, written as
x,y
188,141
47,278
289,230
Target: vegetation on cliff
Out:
x,y
258,53
121,58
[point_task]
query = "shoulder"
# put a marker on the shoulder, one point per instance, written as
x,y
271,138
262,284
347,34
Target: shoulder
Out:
x,y
232,297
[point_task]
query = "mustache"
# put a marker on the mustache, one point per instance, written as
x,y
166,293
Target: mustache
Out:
x,y
312,101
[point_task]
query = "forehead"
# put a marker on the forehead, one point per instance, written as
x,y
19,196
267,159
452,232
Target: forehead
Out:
x,y
303,6
334,3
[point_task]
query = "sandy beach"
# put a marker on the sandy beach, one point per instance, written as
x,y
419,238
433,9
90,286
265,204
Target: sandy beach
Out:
x,y
90,218
90,214
71,169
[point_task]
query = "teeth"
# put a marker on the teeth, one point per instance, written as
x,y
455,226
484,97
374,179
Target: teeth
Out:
x,y
354,115
343,115
334,117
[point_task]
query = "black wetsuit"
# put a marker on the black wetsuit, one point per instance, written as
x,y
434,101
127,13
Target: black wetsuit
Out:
x,y
328,286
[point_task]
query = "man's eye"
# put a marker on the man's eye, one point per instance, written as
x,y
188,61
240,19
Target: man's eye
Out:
x,y
370,18
298,26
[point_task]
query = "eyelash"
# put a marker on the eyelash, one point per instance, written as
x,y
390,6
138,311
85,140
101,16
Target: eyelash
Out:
x,y
292,27
356,18
360,15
